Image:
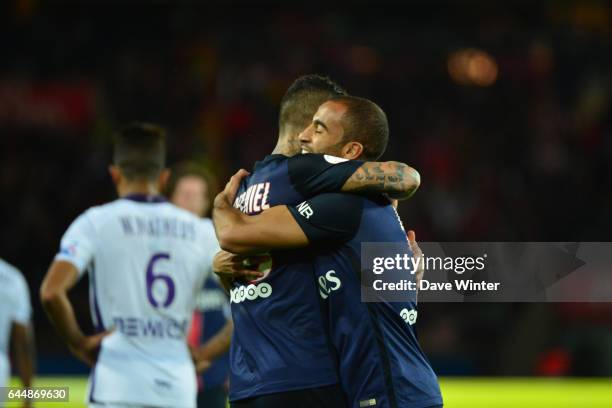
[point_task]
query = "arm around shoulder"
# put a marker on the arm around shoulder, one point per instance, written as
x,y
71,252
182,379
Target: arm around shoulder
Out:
x,y
396,179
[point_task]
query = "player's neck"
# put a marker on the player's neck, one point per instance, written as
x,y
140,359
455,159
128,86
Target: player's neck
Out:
x,y
137,187
286,146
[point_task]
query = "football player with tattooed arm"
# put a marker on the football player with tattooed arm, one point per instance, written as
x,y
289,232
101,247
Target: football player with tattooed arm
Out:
x,y
379,360
280,355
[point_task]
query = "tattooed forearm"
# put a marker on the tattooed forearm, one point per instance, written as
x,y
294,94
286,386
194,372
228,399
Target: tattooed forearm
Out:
x,y
397,180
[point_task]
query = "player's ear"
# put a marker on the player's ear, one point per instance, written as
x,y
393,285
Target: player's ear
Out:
x,y
164,176
115,174
352,150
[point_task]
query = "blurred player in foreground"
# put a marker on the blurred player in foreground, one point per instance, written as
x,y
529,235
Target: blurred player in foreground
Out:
x,y
380,361
190,187
280,356
147,260
15,327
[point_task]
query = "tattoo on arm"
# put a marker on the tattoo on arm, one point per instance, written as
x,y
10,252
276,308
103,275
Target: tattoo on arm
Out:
x,y
396,179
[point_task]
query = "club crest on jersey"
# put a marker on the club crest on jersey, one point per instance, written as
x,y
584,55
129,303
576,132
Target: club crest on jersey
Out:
x,y
69,250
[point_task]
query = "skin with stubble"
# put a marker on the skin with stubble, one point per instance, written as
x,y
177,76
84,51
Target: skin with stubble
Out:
x,y
325,133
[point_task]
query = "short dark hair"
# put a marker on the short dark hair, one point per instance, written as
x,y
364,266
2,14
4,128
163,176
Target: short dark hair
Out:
x,y
140,150
365,122
303,98
186,169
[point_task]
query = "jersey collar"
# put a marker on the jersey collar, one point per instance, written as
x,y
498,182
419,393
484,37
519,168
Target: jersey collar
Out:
x,y
144,198
269,158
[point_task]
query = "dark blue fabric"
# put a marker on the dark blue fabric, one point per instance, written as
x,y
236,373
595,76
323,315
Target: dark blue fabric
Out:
x,y
378,352
279,341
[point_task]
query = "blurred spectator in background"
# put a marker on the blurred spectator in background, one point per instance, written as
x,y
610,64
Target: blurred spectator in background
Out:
x,y
191,187
15,327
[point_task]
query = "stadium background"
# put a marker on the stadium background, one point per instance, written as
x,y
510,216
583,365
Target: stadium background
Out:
x,y
503,108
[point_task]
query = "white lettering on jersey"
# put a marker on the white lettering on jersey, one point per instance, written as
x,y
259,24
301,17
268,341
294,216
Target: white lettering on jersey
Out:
x,y
255,199
251,292
329,283
305,210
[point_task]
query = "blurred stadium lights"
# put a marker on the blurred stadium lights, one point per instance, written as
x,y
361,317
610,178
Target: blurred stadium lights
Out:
x,y
470,66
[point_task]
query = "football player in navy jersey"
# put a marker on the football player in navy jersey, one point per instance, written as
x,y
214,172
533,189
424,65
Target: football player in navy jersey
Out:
x,y
379,360
280,355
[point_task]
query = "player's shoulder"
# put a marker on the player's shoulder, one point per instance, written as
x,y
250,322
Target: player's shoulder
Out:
x,y
11,274
175,211
313,158
102,209
207,224
202,224
207,230
340,199
333,206
377,201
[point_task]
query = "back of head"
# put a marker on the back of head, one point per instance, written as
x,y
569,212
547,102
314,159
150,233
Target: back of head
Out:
x,y
365,122
140,151
301,101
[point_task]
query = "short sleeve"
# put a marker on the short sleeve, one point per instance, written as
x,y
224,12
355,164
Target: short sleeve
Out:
x,y
78,243
332,218
23,306
313,174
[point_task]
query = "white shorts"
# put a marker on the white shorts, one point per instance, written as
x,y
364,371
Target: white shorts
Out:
x,y
125,376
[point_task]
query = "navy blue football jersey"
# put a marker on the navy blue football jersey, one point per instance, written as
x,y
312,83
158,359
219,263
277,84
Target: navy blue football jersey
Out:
x,y
380,361
279,342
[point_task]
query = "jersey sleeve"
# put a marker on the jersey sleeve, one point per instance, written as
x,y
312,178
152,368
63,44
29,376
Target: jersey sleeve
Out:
x,y
78,243
313,174
23,307
332,218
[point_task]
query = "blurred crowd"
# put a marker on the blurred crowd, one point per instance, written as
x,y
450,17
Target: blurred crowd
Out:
x,y
524,157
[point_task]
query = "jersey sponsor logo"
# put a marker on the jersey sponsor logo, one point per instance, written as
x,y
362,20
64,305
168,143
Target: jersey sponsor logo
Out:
x,y
367,403
305,210
328,283
250,292
255,199
333,159
409,316
155,328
